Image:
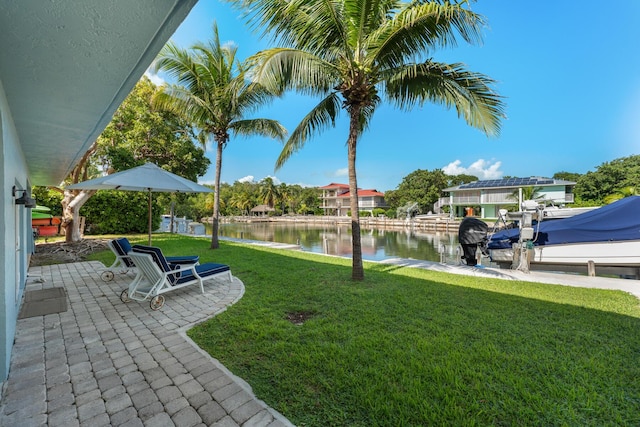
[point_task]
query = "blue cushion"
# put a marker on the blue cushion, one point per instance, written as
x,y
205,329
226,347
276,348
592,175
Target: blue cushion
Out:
x,y
159,259
189,259
123,247
204,271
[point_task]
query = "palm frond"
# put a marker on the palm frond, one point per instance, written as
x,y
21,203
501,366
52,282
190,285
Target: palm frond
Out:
x,y
450,85
311,25
279,69
421,28
263,127
319,118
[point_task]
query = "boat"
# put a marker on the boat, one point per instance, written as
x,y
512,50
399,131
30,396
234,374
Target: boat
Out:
x,y
555,212
606,239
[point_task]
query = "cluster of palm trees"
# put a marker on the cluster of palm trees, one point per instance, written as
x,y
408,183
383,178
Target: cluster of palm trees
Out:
x,y
351,54
241,197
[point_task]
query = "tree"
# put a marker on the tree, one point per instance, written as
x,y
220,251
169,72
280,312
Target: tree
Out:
x,y
594,186
621,193
269,191
421,186
285,197
355,53
528,193
137,133
567,176
461,179
213,93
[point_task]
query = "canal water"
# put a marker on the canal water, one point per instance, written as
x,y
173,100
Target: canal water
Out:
x,y
377,244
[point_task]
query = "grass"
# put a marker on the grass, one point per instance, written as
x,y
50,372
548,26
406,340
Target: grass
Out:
x,y
409,347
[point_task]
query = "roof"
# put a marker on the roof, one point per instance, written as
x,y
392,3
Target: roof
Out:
x,y
263,208
65,67
334,185
534,181
364,193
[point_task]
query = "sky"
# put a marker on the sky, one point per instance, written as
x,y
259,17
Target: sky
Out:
x,y
569,73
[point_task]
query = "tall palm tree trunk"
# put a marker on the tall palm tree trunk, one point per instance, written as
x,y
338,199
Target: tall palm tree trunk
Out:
x,y
215,221
357,271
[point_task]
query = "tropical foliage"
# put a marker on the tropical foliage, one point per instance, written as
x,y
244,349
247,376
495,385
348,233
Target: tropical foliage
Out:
x,y
527,193
241,197
213,93
136,134
567,176
621,193
421,186
608,178
355,54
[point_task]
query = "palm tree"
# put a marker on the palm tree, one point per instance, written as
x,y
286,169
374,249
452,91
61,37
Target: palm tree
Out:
x,y
212,92
528,193
621,193
268,191
285,197
356,53
242,201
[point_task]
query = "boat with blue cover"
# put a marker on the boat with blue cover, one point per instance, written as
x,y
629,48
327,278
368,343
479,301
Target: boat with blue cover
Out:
x,y
607,238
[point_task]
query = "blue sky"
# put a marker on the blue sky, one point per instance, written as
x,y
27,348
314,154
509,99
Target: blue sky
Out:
x,y
569,72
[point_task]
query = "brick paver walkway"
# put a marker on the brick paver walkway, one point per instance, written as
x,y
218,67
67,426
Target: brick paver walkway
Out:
x,y
106,363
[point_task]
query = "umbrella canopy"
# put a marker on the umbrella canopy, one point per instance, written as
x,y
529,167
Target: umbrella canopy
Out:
x,y
147,177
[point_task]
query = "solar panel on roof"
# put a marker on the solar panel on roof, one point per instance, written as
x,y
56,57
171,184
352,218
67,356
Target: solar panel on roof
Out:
x,y
508,182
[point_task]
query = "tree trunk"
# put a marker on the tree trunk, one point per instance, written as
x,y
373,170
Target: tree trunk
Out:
x,y
357,270
215,221
71,204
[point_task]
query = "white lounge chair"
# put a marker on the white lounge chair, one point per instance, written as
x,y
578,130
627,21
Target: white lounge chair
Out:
x,y
156,276
121,248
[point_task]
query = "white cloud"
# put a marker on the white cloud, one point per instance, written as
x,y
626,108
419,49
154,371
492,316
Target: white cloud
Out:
x,y
248,178
275,180
155,79
481,168
340,172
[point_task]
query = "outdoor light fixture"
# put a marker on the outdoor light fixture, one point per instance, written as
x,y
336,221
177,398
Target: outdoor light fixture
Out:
x,y
25,200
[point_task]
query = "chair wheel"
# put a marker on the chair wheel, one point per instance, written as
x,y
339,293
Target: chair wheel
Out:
x,y
156,302
124,296
107,276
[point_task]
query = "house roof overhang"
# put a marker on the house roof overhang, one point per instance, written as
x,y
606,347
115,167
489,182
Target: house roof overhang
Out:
x,y
65,67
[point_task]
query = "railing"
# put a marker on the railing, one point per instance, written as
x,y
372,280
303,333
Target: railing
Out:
x,y
372,205
491,198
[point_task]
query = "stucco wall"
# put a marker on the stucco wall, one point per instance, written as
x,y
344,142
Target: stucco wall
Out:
x,y
13,227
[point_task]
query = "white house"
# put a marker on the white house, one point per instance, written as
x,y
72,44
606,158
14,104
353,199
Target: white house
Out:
x,y
494,194
336,199
65,67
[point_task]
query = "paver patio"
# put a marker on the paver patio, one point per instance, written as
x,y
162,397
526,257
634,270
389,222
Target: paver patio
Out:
x,y
106,363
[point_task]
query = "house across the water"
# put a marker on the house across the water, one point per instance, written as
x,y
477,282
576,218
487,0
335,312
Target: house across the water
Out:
x,y
485,198
336,199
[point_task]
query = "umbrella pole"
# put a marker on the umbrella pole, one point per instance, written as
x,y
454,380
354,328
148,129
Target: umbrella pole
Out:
x,y
149,217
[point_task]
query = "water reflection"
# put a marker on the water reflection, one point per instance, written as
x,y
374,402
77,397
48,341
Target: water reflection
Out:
x,y
377,244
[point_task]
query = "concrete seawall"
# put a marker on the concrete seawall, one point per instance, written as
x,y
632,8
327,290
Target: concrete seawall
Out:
x,y
433,223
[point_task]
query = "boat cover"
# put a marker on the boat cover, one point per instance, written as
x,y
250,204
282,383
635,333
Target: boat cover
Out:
x,y
617,221
472,231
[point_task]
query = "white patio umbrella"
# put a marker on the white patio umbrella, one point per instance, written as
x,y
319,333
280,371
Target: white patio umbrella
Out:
x,y
147,177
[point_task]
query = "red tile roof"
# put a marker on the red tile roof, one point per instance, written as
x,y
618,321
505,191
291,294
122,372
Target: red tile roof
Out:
x,y
364,193
334,185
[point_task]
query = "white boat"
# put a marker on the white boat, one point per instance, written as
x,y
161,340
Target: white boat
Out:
x,y
606,239
554,212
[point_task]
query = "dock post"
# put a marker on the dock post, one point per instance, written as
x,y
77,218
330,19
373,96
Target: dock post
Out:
x,y
591,268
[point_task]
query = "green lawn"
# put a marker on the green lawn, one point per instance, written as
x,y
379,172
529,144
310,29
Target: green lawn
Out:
x,y
409,347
